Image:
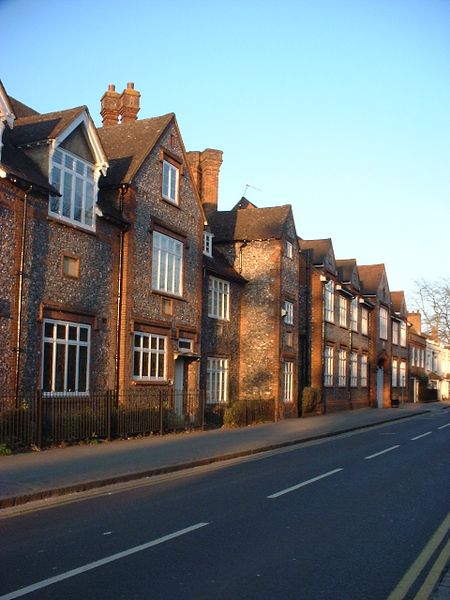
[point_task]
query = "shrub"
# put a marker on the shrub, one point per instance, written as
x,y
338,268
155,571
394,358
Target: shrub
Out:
x,y
311,401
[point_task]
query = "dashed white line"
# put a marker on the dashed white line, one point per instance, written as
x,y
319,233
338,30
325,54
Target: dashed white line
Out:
x,y
421,436
444,426
98,563
373,455
300,485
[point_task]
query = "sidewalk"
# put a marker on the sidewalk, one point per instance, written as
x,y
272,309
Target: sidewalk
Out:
x,y
59,471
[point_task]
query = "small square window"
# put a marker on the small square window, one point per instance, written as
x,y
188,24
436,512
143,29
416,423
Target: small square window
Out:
x,y
167,306
207,243
71,266
289,249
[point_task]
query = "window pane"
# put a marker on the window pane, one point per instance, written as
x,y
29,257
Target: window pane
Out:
x,y
78,199
61,332
57,157
145,364
161,366
89,203
47,374
67,194
72,333
48,330
71,368
84,334
60,367
136,371
82,369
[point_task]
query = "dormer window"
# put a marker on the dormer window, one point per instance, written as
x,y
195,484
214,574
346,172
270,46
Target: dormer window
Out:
x,y
74,178
207,243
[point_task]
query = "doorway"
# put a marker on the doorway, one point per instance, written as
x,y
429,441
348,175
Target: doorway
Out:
x,y
380,387
179,385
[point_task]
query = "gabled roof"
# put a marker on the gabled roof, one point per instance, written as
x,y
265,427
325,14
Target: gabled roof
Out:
x,y
218,265
17,164
345,268
371,277
250,224
399,302
21,109
319,248
41,128
127,145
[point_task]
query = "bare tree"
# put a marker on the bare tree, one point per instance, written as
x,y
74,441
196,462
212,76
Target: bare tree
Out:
x,y
433,299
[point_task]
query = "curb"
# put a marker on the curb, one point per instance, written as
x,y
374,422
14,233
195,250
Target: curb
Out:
x,y
99,483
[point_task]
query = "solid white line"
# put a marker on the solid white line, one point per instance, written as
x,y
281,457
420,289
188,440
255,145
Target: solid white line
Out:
x,y
98,563
444,426
299,485
421,436
373,455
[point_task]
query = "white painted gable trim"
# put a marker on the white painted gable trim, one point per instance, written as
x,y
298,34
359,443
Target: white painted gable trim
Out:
x,y
99,154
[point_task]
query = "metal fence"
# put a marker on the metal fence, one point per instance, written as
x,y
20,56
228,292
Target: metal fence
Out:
x,y
42,420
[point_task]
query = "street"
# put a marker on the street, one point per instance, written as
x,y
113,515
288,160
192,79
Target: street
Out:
x,y
336,519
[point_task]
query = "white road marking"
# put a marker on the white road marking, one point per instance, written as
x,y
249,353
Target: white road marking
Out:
x,y
444,426
299,485
98,563
421,436
373,455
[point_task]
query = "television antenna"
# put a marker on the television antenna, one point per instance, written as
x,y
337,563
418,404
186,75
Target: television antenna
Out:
x,y
247,185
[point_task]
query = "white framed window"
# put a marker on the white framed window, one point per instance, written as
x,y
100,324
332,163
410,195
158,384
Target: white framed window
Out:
x,y
289,249
288,381
74,178
354,309
403,334
207,243
364,321
218,299
328,291
422,358
288,311
394,375
363,370
216,380
149,357
342,368
343,309
328,366
65,356
185,345
395,330
167,264
383,323
170,178
402,375
354,369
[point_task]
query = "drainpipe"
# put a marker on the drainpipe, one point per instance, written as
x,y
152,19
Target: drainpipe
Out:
x,y
241,247
123,191
20,294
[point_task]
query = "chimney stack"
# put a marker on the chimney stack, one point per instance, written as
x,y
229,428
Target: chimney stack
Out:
x,y
210,162
194,162
110,106
415,318
129,104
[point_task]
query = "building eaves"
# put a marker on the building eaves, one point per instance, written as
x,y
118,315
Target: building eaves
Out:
x,y
38,129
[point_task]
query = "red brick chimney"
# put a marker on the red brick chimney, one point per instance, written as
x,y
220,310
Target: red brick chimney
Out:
x,y
194,162
415,318
110,106
129,104
210,162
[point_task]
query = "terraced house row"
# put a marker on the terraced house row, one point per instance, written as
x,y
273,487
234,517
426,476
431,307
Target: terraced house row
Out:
x,y
118,271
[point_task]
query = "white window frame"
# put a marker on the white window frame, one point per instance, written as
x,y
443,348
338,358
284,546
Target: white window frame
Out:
x,y
170,182
354,314
328,304
167,264
185,345
72,350
289,249
288,381
403,331
395,331
402,374
364,370
218,298
343,311
77,184
149,356
288,308
383,323
216,380
207,243
342,368
394,374
364,321
353,369
328,366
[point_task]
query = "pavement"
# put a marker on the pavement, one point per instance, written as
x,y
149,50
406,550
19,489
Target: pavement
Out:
x,y
56,472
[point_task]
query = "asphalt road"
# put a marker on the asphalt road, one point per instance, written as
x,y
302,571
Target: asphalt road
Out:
x,y
343,518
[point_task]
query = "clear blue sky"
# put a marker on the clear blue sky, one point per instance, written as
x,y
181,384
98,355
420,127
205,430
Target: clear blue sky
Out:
x,y
339,108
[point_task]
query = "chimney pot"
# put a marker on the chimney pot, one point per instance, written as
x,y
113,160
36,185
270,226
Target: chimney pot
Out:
x,y
111,87
130,85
